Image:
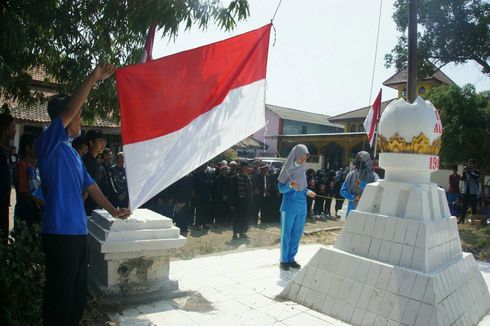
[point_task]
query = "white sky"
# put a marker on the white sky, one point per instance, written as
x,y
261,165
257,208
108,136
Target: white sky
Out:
x,y
323,57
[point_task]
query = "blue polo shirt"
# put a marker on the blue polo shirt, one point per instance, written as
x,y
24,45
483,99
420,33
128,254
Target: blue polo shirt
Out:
x,y
63,179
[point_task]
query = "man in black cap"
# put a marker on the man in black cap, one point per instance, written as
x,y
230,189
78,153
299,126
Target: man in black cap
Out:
x,y
96,143
241,197
265,187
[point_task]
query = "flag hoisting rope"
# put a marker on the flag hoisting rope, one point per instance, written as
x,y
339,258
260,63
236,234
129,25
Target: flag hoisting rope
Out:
x,y
372,133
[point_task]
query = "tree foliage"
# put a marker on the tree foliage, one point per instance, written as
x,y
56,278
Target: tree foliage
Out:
x,y
21,277
454,31
465,117
67,38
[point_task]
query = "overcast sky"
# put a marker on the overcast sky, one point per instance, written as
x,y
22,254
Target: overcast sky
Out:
x,y
323,57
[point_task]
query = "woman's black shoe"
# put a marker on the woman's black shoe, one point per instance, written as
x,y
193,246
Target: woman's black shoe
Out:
x,y
284,266
294,265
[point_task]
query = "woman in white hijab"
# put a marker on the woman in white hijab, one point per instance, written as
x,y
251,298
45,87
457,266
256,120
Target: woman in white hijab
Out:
x,y
292,184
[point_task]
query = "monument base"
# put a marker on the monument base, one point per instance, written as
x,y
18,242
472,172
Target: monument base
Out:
x,y
363,291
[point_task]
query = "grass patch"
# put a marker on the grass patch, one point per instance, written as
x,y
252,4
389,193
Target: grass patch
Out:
x,y
476,239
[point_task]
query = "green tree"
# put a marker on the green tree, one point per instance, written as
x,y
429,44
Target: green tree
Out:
x,y
465,117
454,31
228,155
67,38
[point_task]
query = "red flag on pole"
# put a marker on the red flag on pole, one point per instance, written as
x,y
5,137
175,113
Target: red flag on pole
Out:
x,y
372,118
180,111
147,51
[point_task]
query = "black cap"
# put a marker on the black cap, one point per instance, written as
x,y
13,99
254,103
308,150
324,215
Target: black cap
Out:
x,y
94,134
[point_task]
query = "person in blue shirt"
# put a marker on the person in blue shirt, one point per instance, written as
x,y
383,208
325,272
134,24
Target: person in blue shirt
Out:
x,y
357,179
292,184
64,224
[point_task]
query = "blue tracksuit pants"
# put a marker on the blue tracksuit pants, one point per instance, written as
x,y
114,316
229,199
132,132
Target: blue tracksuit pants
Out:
x,y
293,214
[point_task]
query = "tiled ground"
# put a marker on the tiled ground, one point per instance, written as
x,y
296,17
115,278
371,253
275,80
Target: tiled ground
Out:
x,y
236,289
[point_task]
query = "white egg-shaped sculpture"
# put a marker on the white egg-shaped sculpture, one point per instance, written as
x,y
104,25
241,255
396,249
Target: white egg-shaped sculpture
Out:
x,y
410,128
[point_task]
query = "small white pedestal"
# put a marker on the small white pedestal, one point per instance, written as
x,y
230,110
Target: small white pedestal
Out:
x,y
129,259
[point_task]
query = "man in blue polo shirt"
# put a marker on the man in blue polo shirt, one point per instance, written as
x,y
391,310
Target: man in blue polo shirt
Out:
x,y
64,225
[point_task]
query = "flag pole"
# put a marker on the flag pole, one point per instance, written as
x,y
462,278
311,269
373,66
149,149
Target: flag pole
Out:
x,y
376,134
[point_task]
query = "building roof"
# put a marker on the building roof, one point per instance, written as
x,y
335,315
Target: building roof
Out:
x,y
359,113
303,116
401,78
250,142
39,114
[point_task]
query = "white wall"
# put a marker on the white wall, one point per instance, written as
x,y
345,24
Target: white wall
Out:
x,y
441,178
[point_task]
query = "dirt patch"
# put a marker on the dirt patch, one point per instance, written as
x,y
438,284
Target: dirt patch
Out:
x,y
322,237
219,239
94,315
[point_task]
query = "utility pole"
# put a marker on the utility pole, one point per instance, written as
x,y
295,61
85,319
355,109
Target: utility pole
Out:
x,y
412,51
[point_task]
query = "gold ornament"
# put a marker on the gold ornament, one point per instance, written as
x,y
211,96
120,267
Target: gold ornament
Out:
x,y
419,145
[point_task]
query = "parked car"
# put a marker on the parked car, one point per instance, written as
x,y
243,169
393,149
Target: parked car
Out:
x,y
275,163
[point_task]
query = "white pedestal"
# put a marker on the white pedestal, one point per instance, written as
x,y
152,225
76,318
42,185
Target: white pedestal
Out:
x,y
129,259
398,260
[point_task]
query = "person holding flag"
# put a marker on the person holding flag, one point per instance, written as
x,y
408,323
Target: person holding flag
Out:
x,y
64,225
292,184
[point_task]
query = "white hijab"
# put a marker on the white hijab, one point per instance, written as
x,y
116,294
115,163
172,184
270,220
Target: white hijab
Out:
x,y
290,171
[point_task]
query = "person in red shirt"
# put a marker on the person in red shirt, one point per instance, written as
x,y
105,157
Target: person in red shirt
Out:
x,y
26,181
453,191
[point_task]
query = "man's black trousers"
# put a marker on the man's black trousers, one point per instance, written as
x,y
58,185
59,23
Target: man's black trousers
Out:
x,y
65,292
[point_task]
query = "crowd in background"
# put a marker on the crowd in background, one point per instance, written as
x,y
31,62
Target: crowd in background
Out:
x,y
214,195
464,193
109,174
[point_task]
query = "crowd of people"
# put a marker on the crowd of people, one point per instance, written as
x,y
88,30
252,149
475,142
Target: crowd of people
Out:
x,y
107,172
464,193
240,194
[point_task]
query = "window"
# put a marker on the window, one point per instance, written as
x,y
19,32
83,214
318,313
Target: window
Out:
x,y
303,129
404,92
360,128
352,128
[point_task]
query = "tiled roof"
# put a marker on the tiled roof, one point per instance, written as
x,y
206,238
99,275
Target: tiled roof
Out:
x,y
42,81
357,114
401,77
38,74
303,116
250,142
39,114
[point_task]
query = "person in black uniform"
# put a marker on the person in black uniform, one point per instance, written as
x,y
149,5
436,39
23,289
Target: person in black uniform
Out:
x,y
118,184
241,197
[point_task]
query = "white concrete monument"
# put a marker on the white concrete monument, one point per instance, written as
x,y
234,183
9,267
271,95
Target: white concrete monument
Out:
x,y
129,259
398,260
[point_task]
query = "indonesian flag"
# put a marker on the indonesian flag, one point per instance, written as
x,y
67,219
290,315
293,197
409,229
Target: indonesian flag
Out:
x,y
180,111
373,118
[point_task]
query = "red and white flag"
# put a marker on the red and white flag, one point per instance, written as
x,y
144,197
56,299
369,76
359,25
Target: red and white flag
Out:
x,y
372,119
148,50
180,111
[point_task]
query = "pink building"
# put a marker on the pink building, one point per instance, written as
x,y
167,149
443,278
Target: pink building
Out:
x,y
286,121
